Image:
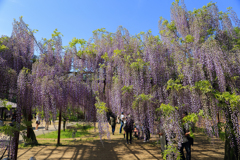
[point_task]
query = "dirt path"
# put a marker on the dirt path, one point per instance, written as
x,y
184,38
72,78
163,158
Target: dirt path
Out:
x,y
91,148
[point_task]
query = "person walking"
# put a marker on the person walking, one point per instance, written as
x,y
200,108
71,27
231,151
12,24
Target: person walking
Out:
x,y
122,123
163,139
37,121
129,128
186,140
13,119
113,123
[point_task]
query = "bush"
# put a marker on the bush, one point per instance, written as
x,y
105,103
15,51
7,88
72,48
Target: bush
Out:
x,y
76,117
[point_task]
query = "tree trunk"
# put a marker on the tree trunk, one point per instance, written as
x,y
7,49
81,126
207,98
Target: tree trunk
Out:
x,y
15,139
64,123
59,126
30,132
32,136
15,145
4,115
29,118
231,153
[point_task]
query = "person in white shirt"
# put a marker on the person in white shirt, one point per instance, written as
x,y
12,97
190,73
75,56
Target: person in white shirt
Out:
x,y
122,123
37,121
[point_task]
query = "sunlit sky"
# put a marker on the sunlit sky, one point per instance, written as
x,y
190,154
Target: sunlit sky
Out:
x,y
78,18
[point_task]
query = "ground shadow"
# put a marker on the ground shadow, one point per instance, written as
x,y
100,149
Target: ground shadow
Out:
x,y
92,148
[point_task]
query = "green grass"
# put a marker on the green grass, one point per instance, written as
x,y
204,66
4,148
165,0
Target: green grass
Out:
x,y
22,145
67,133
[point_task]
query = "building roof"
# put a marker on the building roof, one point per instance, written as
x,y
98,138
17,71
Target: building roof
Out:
x,y
14,105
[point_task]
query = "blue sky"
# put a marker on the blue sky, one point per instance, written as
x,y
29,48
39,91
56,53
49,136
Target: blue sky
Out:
x,y
78,18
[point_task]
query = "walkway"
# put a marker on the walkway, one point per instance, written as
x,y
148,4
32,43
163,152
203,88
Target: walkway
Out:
x,y
91,148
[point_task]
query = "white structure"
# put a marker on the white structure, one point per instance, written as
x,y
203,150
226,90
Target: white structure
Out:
x,y
14,105
2,108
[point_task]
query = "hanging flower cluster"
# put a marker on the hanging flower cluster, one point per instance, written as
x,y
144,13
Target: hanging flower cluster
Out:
x,y
192,65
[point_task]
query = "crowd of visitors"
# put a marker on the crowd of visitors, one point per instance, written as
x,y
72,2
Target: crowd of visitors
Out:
x,y
47,122
131,128
142,131
138,130
187,140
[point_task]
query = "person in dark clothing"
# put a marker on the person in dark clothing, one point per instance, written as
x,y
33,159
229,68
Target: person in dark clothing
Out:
x,y
13,119
147,134
113,123
129,128
124,124
186,143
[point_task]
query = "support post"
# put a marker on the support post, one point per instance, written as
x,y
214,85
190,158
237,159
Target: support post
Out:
x,y
59,125
29,119
15,141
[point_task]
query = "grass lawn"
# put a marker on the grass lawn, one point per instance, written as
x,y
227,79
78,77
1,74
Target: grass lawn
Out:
x,y
67,133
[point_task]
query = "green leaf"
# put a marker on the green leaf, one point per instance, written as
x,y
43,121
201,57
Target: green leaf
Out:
x,y
101,106
126,89
166,109
189,38
105,56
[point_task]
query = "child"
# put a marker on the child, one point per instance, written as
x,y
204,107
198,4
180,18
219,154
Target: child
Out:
x,y
135,131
